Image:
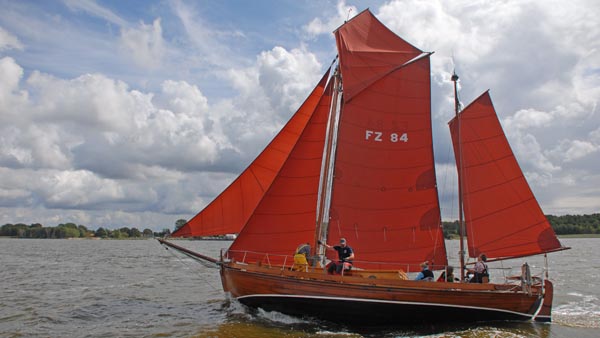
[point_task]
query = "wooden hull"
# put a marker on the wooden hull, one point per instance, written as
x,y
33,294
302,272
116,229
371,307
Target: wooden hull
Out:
x,y
360,301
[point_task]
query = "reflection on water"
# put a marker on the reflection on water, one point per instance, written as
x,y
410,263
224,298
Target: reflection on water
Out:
x,y
136,288
272,325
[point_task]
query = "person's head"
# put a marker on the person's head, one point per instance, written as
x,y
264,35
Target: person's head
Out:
x,y
450,269
483,257
342,241
425,264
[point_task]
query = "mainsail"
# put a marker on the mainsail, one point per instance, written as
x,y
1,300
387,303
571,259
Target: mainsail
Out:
x,y
385,198
230,211
503,218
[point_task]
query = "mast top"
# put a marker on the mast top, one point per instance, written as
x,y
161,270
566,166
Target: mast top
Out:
x,y
454,77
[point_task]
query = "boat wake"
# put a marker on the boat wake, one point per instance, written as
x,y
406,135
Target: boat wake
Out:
x,y
236,309
582,311
278,317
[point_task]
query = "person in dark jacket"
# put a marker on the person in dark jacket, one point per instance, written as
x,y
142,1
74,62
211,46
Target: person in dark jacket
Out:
x,y
345,257
425,274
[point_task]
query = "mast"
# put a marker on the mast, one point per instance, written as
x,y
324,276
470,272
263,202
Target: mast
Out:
x,y
461,225
327,166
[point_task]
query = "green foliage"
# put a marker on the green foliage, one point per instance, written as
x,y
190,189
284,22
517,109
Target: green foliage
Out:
x,y
163,233
575,224
134,232
179,223
68,230
101,232
562,225
450,229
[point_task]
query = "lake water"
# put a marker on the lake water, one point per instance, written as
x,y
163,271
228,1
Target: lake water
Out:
x,y
136,288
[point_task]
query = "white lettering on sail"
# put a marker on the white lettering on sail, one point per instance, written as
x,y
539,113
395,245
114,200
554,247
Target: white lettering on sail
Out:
x,y
378,136
373,135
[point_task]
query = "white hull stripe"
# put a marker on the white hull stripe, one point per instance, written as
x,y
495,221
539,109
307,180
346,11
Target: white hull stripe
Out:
x,y
366,300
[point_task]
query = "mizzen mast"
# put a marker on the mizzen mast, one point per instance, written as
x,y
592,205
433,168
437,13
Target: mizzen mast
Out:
x,y
461,223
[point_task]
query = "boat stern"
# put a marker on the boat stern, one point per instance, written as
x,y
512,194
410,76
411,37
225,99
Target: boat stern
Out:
x,y
545,314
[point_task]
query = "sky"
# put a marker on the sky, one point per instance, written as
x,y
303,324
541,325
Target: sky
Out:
x,y
138,113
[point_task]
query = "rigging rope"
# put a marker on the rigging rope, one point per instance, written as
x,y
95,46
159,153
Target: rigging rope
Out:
x,y
206,264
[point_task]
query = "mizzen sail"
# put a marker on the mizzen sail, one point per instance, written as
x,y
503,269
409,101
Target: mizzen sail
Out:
x,y
503,218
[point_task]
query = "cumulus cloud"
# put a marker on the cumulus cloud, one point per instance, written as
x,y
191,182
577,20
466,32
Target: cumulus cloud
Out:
x,y
528,118
269,92
10,93
570,150
94,143
286,76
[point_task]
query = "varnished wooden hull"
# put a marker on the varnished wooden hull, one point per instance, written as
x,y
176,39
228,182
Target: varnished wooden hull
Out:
x,y
360,301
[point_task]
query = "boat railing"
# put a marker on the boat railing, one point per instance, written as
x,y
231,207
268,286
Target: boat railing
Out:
x,y
367,269
259,258
522,279
287,261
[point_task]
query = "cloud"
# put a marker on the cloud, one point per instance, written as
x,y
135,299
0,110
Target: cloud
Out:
x,y
343,13
286,76
92,8
11,96
94,143
145,44
9,41
211,47
153,132
269,92
571,150
528,118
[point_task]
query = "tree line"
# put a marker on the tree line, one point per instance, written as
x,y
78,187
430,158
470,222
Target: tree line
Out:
x,y
562,225
72,230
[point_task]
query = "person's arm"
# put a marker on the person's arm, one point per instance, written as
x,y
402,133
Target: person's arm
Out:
x,y
325,244
471,270
351,257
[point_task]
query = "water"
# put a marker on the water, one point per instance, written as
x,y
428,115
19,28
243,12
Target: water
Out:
x,y
136,288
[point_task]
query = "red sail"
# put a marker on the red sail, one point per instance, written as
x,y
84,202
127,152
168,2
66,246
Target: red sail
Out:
x,y
503,218
385,200
368,51
229,211
286,215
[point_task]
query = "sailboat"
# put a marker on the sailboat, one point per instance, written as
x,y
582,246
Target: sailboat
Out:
x,y
356,161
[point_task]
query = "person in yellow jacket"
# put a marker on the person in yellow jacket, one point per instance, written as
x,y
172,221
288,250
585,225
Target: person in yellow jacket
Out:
x,y
300,261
